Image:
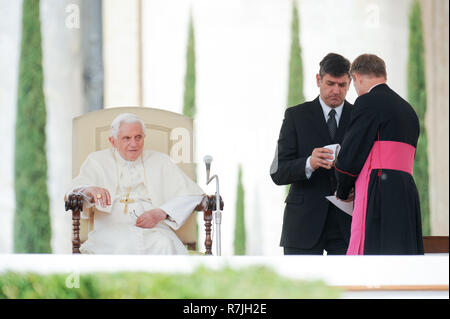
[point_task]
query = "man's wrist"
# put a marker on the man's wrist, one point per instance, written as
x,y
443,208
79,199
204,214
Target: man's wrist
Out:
x,y
164,215
342,194
308,168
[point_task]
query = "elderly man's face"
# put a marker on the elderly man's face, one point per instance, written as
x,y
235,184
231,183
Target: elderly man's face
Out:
x,y
333,89
130,141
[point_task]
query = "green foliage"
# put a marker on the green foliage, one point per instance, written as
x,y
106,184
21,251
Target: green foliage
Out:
x,y
239,229
189,79
295,95
418,99
32,230
203,283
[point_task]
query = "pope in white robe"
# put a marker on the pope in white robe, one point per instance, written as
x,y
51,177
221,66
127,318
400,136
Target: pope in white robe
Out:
x,y
139,195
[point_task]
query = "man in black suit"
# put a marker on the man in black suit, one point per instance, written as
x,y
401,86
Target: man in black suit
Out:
x,y
311,223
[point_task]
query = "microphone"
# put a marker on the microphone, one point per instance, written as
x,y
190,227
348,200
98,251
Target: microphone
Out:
x,y
207,159
217,214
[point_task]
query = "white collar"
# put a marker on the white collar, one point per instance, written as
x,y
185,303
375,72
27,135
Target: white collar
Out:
x,y
122,161
326,109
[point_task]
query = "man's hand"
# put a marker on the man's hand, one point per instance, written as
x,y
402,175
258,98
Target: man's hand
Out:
x,y
320,158
350,198
151,218
99,196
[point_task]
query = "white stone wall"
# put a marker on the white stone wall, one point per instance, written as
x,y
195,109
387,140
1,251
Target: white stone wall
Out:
x,y
121,47
10,33
435,22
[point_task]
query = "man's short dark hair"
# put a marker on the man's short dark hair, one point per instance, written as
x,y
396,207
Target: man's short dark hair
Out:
x,y
335,65
369,64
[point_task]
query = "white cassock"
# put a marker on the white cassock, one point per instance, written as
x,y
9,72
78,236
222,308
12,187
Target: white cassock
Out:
x,y
151,181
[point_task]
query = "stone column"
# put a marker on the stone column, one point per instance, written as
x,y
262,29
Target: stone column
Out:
x,y
91,44
435,23
63,90
122,53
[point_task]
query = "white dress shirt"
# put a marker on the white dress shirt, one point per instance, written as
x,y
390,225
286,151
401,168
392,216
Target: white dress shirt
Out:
x,y
326,110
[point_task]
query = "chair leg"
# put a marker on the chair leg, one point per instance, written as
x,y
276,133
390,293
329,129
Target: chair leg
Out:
x,y
207,216
75,203
76,232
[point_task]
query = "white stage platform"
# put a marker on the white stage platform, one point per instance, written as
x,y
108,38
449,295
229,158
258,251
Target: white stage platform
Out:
x,y
362,276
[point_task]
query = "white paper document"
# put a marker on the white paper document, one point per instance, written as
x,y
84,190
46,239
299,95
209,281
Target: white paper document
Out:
x,y
346,207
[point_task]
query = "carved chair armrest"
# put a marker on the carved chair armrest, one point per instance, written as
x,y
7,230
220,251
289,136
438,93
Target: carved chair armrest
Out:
x,y
208,203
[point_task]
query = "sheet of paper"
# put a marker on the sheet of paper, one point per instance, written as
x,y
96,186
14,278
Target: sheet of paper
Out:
x,y
346,207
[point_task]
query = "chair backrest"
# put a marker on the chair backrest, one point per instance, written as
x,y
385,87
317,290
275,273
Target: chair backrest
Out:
x,y
90,133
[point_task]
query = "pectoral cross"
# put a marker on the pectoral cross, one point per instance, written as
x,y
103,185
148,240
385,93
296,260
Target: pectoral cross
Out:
x,y
126,201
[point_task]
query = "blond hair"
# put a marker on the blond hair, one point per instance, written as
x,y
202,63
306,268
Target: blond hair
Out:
x,y
369,64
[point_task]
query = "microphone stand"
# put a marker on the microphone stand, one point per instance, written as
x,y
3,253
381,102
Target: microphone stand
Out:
x,y
217,215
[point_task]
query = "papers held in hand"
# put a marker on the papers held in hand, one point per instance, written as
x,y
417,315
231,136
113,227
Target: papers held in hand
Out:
x,y
346,207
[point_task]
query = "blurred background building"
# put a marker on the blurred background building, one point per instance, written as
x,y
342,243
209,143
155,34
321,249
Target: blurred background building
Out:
x,y
99,54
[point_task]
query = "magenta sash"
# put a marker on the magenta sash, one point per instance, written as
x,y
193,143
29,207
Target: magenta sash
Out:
x,y
384,155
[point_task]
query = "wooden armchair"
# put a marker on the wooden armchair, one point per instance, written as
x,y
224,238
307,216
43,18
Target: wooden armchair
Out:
x,y
90,133
207,206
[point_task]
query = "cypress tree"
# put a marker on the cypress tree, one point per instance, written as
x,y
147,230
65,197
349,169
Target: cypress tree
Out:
x,y
295,94
189,78
418,99
239,229
32,229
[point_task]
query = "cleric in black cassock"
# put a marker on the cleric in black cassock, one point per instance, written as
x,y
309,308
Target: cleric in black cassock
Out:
x,y
376,159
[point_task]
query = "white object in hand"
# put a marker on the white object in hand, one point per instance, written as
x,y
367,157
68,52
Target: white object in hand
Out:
x,y
335,148
346,207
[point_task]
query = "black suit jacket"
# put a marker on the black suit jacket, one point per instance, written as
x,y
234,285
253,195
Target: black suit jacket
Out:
x,y
304,128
